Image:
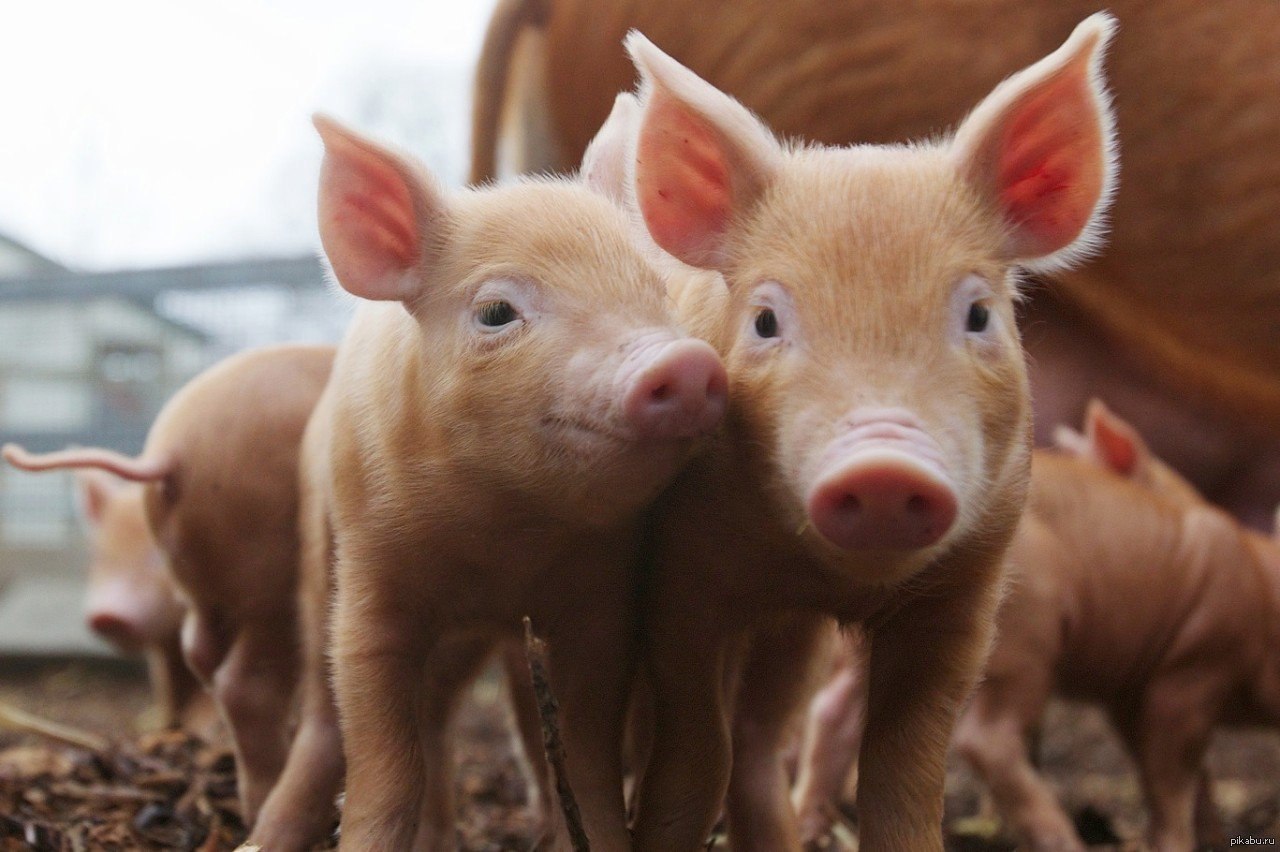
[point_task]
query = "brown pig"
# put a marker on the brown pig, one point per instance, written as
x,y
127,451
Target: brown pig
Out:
x,y
130,600
1174,324
221,471
498,421
876,450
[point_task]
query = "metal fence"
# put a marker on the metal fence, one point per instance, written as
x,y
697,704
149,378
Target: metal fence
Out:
x,y
89,358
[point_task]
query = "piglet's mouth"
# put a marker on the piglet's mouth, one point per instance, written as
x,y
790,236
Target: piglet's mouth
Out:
x,y
580,427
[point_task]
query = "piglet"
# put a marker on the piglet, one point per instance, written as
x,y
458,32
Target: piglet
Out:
x,y
1160,609
221,471
876,451
130,600
501,414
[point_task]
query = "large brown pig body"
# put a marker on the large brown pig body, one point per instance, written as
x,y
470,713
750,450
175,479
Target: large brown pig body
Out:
x,y
1175,324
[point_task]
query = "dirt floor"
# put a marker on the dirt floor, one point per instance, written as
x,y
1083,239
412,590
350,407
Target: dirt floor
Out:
x,y
171,791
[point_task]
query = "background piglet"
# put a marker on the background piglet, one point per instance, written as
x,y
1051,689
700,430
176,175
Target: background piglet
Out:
x,y
1158,609
220,468
492,435
876,453
130,600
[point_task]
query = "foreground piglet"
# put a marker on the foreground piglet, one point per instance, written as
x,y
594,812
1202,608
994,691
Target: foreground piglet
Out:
x,y
130,600
876,451
221,471
493,432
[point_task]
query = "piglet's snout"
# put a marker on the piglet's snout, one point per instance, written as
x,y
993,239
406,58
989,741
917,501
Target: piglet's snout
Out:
x,y
116,627
678,390
885,487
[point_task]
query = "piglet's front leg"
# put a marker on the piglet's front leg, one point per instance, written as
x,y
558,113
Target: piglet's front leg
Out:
x,y
591,670
924,660
775,681
688,771
378,653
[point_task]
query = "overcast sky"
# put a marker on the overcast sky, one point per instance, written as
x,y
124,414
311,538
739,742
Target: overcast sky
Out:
x,y
147,132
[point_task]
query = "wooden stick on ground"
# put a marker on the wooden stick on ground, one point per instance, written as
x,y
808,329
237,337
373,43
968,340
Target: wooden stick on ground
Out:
x,y
549,712
19,720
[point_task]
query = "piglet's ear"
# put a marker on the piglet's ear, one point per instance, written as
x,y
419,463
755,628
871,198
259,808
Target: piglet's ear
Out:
x,y
1113,441
94,492
1041,150
605,163
701,158
379,215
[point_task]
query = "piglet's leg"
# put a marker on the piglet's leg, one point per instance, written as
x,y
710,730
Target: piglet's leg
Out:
x,y
590,657
993,737
1168,737
173,686
688,770
299,812
1209,830
774,684
251,679
832,739
379,646
924,660
448,671
255,687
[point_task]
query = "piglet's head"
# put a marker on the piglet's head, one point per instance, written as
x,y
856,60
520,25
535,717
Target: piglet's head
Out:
x,y
870,340
130,600
551,365
1112,443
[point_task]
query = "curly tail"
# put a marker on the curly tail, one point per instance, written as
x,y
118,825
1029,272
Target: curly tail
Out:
x,y
144,469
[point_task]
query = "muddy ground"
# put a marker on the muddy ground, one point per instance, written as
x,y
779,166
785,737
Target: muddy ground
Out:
x,y
171,791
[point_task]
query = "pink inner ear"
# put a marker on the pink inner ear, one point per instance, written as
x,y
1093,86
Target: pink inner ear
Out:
x,y
1118,449
682,182
1050,163
367,221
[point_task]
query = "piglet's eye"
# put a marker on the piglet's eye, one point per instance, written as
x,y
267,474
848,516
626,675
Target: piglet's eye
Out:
x,y
496,314
978,319
766,323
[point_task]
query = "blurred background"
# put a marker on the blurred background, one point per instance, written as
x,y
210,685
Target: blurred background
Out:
x,y
157,212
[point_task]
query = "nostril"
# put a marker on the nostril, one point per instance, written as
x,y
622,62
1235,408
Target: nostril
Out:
x,y
113,628
662,392
917,505
850,504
